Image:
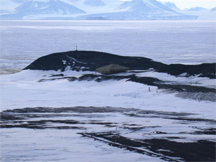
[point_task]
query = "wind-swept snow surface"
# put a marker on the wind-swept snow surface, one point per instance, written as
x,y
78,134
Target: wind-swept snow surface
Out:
x,y
62,108
62,93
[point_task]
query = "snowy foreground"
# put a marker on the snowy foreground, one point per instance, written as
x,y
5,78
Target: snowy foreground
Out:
x,y
128,108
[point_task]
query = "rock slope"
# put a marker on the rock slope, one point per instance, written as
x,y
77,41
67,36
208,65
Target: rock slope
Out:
x,y
90,60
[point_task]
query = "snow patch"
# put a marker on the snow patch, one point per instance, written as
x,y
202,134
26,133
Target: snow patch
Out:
x,y
76,60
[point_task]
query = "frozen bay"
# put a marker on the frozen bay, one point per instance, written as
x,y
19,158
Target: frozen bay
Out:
x,y
188,42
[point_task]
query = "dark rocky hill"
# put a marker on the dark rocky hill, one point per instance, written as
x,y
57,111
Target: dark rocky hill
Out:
x,y
203,70
90,60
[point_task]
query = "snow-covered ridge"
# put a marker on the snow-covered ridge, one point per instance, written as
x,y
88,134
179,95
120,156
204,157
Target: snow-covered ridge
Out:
x,y
102,9
171,6
94,3
49,7
195,9
140,10
142,5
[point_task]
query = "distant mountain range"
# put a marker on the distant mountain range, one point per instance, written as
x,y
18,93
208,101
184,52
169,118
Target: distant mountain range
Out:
x,y
141,10
195,9
143,6
200,12
50,7
97,10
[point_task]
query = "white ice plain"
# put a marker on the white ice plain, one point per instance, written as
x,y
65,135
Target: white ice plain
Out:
x,y
23,90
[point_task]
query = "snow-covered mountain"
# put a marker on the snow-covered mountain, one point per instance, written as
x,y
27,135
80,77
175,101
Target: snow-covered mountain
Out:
x,y
93,9
94,3
19,1
50,7
91,3
141,10
143,5
4,12
7,6
195,9
213,9
200,12
96,6
171,5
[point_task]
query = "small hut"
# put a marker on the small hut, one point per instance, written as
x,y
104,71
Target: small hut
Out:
x,y
112,69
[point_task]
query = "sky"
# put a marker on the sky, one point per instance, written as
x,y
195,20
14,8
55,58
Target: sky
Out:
x,y
182,4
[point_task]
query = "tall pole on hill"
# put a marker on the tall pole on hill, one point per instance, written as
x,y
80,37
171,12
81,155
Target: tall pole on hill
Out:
x,y
76,47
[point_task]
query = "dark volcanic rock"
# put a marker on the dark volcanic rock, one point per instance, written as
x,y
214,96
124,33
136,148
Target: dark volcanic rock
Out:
x,y
162,148
204,70
90,60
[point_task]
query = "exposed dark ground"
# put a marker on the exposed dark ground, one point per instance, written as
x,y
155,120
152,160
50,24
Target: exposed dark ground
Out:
x,y
165,148
91,60
143,80
195,151
185,91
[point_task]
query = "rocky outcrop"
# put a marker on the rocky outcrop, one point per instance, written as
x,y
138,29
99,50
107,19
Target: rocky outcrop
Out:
x,y
91,60
203,70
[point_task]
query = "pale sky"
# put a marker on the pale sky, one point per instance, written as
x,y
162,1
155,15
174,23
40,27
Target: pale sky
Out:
x,y
182,4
